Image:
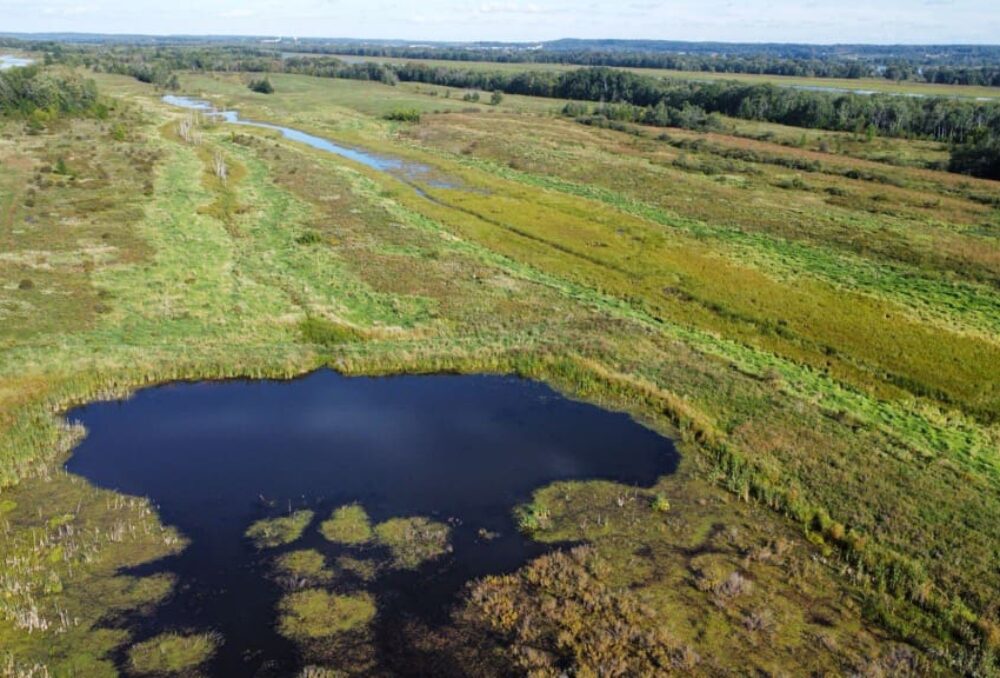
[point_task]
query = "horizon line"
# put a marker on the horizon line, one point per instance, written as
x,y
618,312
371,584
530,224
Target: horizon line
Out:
x,y
39,34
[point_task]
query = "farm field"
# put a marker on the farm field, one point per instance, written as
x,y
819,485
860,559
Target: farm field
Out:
x,y
812,316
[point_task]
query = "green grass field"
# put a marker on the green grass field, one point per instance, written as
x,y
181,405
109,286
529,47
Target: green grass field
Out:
x,y
814,317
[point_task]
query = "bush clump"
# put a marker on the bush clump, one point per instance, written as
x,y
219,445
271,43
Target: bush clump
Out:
x,y
262,86
327,332
271,532
660,503
404,115
347,525
532,517
172,653
309,238
315,613
304,566
413,541
558,616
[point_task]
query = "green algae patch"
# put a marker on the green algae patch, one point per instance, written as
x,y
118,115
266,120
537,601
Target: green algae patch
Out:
x,y
413,541
172,653
307,565
315,613
347,525
365,570
272,532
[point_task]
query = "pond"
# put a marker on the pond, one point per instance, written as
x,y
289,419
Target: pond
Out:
x,y
462,451
8,61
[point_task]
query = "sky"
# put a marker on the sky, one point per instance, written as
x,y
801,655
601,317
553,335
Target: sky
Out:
x,y
813,21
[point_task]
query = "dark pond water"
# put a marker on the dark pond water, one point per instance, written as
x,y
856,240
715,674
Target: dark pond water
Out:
x,y
464,449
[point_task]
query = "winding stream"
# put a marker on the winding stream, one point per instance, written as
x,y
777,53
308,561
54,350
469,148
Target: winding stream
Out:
x,y
403,169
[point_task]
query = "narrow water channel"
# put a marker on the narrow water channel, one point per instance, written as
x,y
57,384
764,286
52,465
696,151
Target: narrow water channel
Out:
x,y
460,450
403,169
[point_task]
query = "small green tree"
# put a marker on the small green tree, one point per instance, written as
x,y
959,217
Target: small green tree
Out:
x,y
496,98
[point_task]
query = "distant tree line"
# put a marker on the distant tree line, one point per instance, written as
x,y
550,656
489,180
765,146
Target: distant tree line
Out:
x,y
135,60
951,120
158,65
909,67
945,64
955,55
758,64
983,76
331,67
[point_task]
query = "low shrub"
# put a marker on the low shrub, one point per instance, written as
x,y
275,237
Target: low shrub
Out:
x,y
403,115
262,86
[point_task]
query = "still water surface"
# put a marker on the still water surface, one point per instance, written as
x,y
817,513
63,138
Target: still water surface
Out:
x,y
10,61
216,456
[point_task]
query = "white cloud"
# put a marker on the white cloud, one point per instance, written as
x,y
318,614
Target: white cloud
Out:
x,y
238,13
69,10
512,8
